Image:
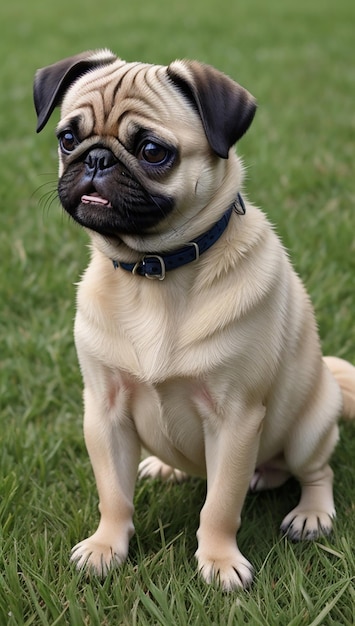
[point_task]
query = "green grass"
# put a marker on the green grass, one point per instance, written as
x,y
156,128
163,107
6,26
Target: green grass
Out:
x,y
297,59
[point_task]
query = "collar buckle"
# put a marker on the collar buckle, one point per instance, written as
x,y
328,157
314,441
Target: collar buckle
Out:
x,y
197,249
151,266
155,266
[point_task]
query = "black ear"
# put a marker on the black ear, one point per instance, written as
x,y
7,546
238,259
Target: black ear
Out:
x,y
226,109
52,82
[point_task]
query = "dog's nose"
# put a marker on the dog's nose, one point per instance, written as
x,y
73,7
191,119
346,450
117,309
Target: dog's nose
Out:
x,y
98,160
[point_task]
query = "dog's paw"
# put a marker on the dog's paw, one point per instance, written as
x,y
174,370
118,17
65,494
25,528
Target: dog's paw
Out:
x,y
99,555
307,525
230,572
266,477
152,467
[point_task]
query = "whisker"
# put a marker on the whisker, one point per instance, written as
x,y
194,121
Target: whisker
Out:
x,y
48,199
52,183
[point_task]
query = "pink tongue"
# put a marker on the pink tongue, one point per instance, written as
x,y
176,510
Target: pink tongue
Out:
x,y
94,199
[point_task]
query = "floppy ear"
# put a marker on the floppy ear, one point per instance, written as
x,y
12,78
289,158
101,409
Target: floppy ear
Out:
x,y
52,82
226,109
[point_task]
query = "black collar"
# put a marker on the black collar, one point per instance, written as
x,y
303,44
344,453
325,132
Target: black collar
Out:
x,y
154,266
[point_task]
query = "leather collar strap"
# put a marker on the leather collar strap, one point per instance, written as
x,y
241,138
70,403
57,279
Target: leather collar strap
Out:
x,y
154,266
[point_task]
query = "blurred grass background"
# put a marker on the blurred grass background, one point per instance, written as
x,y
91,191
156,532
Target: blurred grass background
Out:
x,y
298,59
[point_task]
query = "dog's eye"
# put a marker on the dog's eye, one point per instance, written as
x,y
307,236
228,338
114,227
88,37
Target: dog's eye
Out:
x,y
67,141
153,153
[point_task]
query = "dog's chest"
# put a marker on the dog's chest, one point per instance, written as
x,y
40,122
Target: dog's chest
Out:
x,y
139,341
151,332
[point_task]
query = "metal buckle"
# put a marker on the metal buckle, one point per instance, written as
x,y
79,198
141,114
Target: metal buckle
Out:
x,y
143,262
197,249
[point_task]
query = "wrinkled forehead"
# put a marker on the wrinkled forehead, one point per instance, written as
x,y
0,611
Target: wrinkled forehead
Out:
x,y
108,98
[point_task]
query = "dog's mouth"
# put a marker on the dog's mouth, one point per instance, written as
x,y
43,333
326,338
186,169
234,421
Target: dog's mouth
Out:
x,y
95,198
111,204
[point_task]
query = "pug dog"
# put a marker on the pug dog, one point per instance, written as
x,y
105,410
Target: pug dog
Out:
x,y
195,337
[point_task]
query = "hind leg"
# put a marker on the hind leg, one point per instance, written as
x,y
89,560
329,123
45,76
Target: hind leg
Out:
x,y
268,478
270,475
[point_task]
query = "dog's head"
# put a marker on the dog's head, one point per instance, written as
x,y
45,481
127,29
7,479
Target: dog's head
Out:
x,y
141,147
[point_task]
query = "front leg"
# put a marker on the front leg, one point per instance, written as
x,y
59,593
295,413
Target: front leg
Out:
x,y
114,450
232,443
